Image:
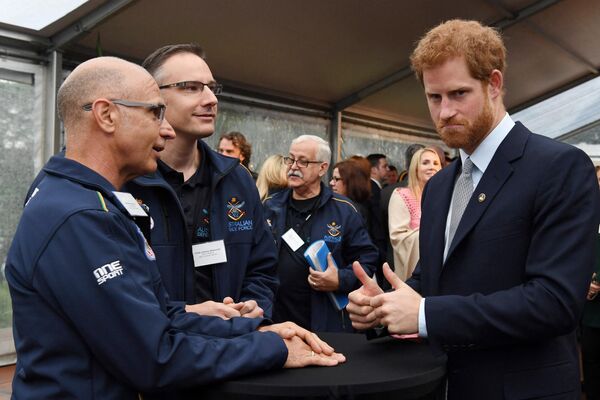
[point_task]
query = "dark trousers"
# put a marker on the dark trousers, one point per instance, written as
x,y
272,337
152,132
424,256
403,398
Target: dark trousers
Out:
x,y
590,352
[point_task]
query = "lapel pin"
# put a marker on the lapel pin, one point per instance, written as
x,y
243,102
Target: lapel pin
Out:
x,y
481,197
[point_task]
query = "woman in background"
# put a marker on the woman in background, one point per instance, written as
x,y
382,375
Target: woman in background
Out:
x,y
272,176
350,180
373,216
405,211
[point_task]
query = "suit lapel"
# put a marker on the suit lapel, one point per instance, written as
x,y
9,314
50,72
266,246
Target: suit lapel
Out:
x,y
495,176
497,173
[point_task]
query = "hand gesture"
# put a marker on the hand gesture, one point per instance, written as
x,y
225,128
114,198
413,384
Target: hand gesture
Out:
x,y
398,310
359,307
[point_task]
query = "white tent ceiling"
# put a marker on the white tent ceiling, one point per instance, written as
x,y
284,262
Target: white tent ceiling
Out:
x,y
350,55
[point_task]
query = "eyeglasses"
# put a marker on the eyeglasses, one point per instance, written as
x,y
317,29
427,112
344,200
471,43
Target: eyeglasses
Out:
x,y
301,163
157,109
195,86
336,179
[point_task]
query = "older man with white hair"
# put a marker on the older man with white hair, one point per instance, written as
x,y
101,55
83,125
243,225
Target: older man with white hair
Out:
x,y
304,213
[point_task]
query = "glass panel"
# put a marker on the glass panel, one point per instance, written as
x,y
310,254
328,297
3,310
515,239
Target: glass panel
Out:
x,y
565,112
588,140
270,132
18,135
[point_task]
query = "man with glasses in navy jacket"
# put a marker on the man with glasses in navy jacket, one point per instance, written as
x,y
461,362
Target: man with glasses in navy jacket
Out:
x,y
204,203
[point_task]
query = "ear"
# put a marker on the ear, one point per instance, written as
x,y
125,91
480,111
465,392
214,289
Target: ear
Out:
x,y
105,115
323,169
496,84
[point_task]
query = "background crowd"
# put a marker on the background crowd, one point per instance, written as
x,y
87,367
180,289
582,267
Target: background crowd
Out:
x,y
389,202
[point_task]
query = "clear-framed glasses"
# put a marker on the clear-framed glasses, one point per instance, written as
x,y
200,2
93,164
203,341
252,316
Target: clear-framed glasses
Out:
x,y
301,163
157,109
195,86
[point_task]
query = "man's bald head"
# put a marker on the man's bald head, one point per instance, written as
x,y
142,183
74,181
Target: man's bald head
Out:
x,y
121,134
107,77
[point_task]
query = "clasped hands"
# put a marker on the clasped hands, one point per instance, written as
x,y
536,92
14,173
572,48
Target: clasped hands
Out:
x,y
304,347
227,309
369,306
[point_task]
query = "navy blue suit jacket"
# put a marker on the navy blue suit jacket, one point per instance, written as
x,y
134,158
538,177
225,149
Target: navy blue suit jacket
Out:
x,y
505,303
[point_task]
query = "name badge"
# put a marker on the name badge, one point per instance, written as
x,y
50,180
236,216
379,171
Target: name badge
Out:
x,y
130,204
292,239
209,253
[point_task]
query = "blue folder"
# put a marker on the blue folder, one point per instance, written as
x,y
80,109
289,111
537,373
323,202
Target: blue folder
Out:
x,y
316,255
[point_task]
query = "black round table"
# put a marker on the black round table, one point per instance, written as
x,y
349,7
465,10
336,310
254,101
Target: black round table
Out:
x,y
373,369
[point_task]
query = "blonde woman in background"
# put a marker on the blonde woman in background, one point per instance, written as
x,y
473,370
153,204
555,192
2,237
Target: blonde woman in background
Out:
x,y
405,211
272,176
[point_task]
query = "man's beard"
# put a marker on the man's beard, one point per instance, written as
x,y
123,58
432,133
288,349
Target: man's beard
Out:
x,y
473,134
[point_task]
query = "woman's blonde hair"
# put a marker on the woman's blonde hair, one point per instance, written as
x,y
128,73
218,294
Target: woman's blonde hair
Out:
x,y
272,175
413,181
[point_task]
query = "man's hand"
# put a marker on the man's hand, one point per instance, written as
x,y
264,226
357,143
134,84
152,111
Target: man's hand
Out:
x,y
359,307
247,309
326,281
398,310
287,330
301,355
594,288
212,308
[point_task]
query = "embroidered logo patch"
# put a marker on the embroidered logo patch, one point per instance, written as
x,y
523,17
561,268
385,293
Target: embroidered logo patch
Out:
x,y
203,228
108,271
334,233
235,212
334,229
147,249
149,252
239,226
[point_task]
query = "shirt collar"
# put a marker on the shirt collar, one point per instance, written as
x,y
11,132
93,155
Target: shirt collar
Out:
x,y
202,176
377,182
482,156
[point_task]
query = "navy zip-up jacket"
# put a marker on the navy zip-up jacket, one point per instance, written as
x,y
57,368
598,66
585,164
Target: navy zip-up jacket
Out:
x,y
249,273
91,317
338,223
